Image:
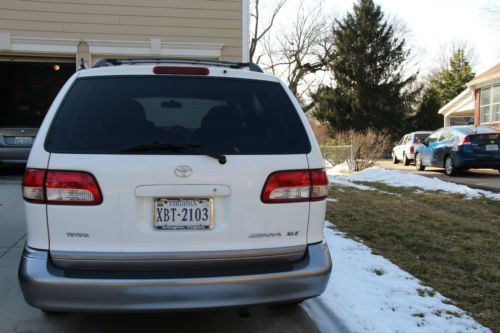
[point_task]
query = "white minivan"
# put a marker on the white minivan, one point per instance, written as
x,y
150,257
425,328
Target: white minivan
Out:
x,y
167,184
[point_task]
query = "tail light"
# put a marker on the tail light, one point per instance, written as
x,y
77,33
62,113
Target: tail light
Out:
x,y
61,187
319,185
465,141
412,149
72,188
33,190
295,186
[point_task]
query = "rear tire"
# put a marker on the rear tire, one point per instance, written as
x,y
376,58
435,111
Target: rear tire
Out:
x,y
449,166
418,163
394,159
406,161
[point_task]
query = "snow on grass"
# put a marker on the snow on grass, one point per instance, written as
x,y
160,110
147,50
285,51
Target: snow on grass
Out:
x,y
368,293
345,182
341,168
400,179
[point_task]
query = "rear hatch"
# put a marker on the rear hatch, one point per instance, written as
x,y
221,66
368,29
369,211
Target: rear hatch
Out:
x,y
181,162
486,144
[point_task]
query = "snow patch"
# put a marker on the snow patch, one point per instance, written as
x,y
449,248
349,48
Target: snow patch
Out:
x,y
397,178
339,169
368,293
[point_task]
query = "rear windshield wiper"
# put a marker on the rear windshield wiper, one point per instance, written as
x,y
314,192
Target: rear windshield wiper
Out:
x,y
171,147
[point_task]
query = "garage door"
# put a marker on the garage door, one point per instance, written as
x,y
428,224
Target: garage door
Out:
x,y
27,88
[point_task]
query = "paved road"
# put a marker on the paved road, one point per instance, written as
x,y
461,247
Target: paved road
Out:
x,y
17,316
486,179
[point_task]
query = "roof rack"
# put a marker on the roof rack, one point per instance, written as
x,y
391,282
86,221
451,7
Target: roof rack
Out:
x,y
103,62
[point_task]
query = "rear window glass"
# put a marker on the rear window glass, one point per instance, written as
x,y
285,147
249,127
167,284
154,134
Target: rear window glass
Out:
x,y
478,129
420,138
216,115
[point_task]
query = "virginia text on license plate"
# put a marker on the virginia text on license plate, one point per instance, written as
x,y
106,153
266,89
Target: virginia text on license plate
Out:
x,y
183,214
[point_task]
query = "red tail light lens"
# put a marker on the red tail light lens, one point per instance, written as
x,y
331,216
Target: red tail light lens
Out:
x,y
287,186
72,188
33,190
61,187
319,188
295,186
466,141
412,149
174,70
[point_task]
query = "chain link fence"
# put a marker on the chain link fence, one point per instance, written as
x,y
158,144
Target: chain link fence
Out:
x,y
338,156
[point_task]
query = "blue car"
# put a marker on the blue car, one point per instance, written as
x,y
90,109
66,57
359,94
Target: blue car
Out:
x,y
458,148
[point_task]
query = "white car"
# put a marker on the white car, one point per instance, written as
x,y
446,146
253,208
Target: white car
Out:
x,y
405,149
173,184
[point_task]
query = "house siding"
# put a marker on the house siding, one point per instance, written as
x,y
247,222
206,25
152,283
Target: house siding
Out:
x,y
173,21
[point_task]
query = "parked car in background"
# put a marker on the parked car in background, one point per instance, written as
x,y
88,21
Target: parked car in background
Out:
x,y
405,149
15,144
170,185
456,148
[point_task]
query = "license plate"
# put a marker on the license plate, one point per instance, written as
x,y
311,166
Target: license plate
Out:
x,y
491,147
23,140
183,214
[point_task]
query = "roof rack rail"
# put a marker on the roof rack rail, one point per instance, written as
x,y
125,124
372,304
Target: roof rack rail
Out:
x,y
103,62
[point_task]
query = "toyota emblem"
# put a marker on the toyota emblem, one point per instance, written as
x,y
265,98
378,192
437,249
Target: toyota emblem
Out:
x,y
183,171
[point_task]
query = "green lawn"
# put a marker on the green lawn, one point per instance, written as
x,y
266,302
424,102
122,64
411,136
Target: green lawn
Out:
x,y
452,244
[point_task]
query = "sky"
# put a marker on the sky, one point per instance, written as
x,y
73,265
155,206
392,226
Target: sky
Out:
x,y
432,24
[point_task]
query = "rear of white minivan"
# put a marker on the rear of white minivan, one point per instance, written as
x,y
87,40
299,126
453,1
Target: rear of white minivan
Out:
x,y
157,187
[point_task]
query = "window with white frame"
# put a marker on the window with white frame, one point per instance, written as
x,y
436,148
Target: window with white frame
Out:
x,y
490,105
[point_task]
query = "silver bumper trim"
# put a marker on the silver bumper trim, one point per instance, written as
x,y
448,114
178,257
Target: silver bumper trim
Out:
x,y
137,260
47,287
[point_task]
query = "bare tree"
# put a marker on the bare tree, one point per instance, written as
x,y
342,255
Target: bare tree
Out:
x,y
259,29
492,12
451,47
300,51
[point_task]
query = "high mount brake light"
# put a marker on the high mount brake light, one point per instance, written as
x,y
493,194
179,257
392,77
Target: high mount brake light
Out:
x,y
175,70
295,186
61,187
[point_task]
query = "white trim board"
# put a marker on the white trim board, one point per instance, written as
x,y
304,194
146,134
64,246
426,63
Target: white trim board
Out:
x,y
37,45
155,46
152,47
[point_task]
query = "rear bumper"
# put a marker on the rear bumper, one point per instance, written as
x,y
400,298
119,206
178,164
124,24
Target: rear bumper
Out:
x,y
48,287
14,155
462,160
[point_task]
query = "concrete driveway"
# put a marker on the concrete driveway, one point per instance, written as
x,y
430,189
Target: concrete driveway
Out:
x,y
17,316
486,179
